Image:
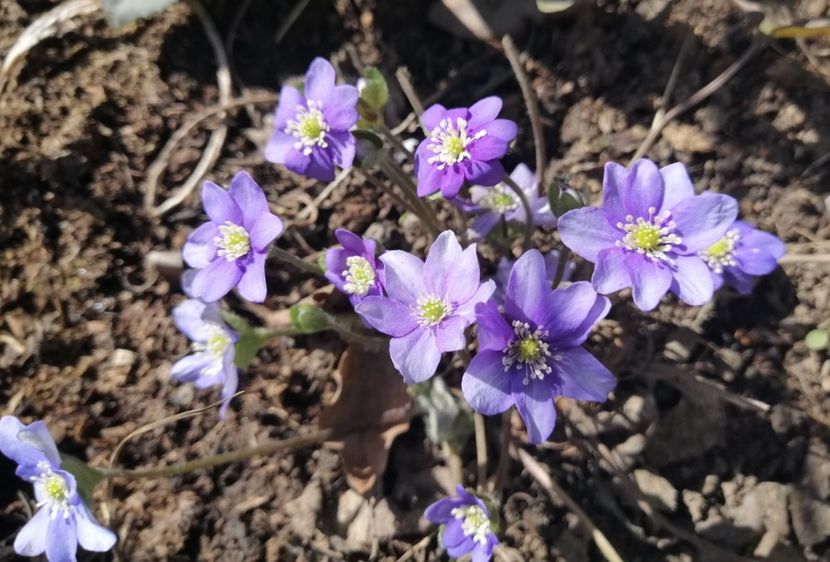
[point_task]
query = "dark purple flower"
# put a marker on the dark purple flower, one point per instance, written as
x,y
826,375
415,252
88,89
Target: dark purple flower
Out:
x,y
353,268
551,266
648,233
499,201
213,343
743,253
467,527
463,145
62,521
230,249
429,304
311,130
534,352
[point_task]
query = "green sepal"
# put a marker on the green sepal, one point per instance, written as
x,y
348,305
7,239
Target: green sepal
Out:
x,y
308,319
817,339
373,97
563,199
86,477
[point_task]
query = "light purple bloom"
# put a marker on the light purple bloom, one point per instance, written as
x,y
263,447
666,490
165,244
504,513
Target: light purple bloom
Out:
x,y
505,266
467,527
62,521
743,253
463,145
429,304
499,201
311,129
648,233
211,363
353,268
534,352
231,248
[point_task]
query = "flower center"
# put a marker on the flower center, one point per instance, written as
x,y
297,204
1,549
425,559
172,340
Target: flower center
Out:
x,y
721,254
651,237
309,127
474,522
360,276
233,241
430,310
500,199
54,488
529,350
449,142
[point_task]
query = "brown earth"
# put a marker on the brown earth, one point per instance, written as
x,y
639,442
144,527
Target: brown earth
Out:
x,y
86,340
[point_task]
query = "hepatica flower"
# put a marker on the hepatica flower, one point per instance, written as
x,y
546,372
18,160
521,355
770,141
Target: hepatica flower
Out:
x,y
649,233
533,352
464,144
500,201
429,304
211,363
311,130
743,253
230,249
61,521
353,268
467,527
505,266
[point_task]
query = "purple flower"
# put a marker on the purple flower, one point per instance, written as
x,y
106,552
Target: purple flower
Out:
x,y
353,268
467,527
311,130
743,253
551,266
533,352
429,306
648,233
463,144
500,201
62,521
230,250
211,363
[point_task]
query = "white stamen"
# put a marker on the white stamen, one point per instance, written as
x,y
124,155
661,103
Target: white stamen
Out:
x,y
529,350
309,127
360,276
233,241
430,310
449,142
652,237
474,522
721,254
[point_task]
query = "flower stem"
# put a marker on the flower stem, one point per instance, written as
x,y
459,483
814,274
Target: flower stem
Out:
x,y
528,212
291,259
397,175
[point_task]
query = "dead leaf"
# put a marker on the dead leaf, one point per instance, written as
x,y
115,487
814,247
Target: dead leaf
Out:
x,y
483,19
371,390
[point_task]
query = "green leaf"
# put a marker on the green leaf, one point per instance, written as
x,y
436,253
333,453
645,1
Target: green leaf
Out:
x,y
249,344
563,199
817,339
235,321
85,476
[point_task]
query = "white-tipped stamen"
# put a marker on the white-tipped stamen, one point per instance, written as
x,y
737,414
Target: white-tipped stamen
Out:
x,y
721,254
233,241
360,276
309,127
449,141
529,350
474,522
430,310
653,237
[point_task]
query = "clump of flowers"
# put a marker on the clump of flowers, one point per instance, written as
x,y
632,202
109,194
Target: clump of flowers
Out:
x,y
500,202
743,253
533,352
649,233
353,268
428,304
467,525
231,248
311,129
62,520
464,144
212,361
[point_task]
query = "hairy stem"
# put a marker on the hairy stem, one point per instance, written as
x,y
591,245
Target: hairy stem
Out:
x,y
528,212
291,259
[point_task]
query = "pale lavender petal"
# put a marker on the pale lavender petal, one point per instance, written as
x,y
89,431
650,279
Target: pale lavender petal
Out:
x,y
738,280
481,552
611,273
429,177
587,232
296,161
526,179
484,173
249,196
252,286
280,148
386,315
321,164
62,541
582,376
614,184
432,117
190,367
494,332
527,288
319,81
404,276
440,275
450,181
454,532
230,385
678,185
449,334
200,248
703,219
482,225
341,110
290,100
758,252
644,189
219,205
488,147
572,312
92,535
482,294
484,111
650,281
415,355
486,384
717,280
504,129
534,401
266,228
31,539
354,244
441,511
461,548
187,315
216,280
343,147
693,283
